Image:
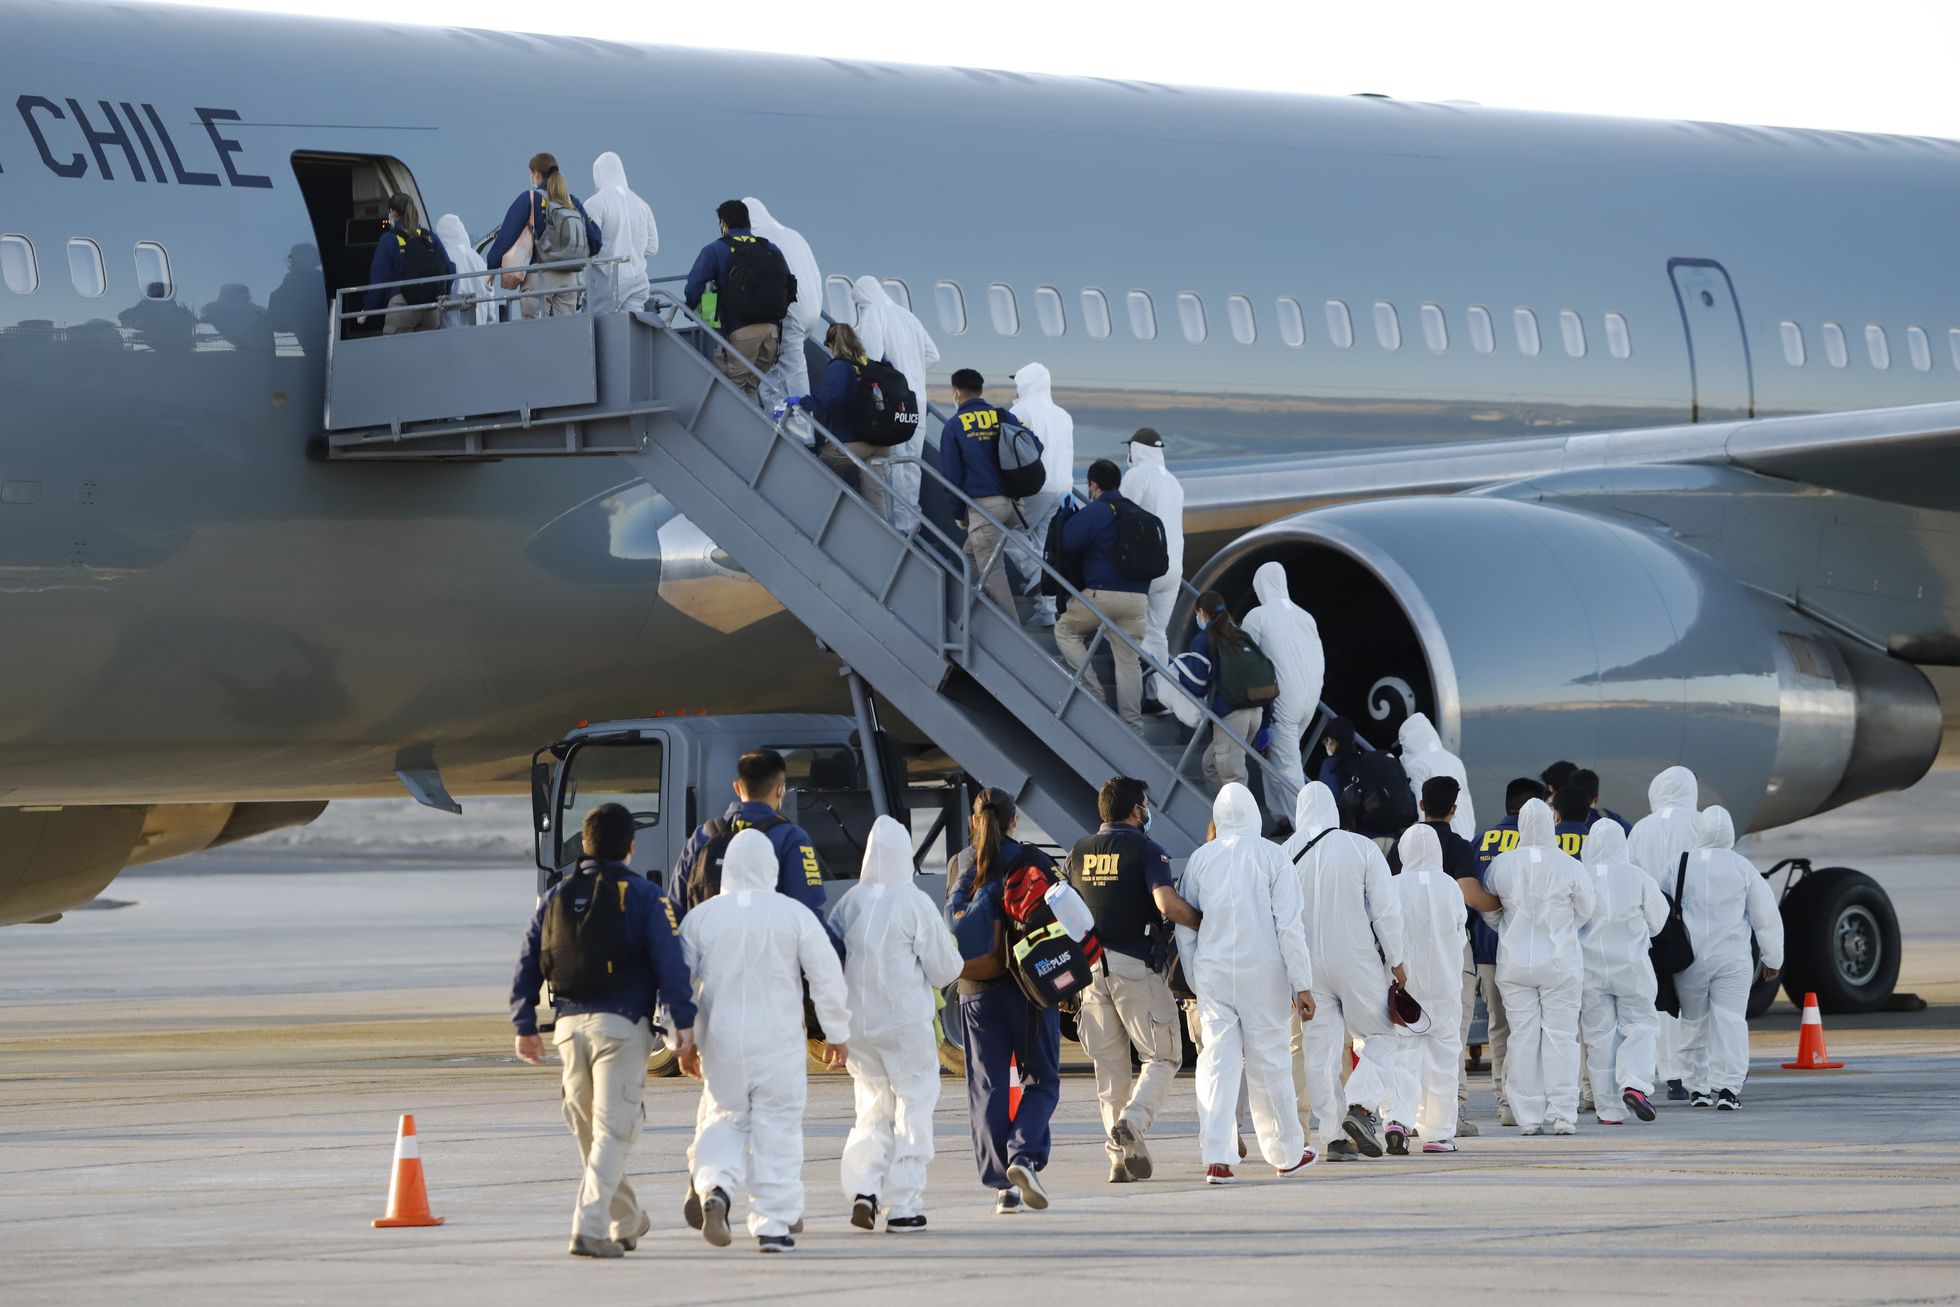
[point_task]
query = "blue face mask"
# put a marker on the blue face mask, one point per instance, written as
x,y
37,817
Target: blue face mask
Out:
x,y
1203,621
1146,819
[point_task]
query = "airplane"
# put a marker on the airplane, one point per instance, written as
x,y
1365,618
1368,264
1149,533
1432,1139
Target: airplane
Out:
x,y
1624,441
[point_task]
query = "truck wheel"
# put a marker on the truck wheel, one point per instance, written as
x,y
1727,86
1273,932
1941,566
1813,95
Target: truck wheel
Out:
x,y
1841,941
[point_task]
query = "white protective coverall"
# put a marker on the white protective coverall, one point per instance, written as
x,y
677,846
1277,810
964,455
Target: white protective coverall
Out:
x,y
791,375
1148,484
749,950
626,230
1424,756
1034,403
1245,965
1286,633
893,333
1616,1013
897,955
1434,931
1725,901
1547,896
1349,905
1656,844
455,238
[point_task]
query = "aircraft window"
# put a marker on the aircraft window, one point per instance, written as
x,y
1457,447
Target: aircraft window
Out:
x,y
1920,348
1340,326
1483,337
1143,315
1792,344
899,291
1953,345
1292,322
1388,326
952,306
1191,317
1834,345
1435,331
837,299
1527,324
23,277
153,270
85,268
1573,332
1238,312
1001,307
1618,343
1048,311
1095,313
1878,347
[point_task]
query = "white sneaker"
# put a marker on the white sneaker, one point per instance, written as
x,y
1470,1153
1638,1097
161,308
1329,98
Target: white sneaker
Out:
x,y
1025,1178
1564,1128
1533,1129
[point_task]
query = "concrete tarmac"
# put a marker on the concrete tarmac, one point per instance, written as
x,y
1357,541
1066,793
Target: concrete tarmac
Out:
x,y
198,1095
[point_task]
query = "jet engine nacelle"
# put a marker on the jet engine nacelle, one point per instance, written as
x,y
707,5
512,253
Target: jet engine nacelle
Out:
x,y
1532,633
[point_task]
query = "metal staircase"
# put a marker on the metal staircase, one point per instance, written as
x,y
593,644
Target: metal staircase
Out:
x,y
899,607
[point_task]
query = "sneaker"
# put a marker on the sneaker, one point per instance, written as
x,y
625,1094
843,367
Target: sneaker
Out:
x,y
1606,1120
1441,1146
1465,1129
796,1226
1505,1116
1637,1104
1135,1156
1586,1104
714,1219
1702,1098
1364,1127
1024,1177
1676,1092
1535,1128
1726,1101
1307,1158
631,1241
583,1246
1342,1150
904,1224
691,1209
1219,1173
1120,1174
1008,1203
1562,1127
864,1212
775,1243
1398,1139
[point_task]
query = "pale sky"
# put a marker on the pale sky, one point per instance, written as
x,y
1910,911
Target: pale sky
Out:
x,y
1864,65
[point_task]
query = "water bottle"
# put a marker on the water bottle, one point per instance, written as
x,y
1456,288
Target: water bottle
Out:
x,y
1070,910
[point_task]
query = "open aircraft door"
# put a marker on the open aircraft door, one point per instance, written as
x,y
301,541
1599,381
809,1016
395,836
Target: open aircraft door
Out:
x,y
1723,383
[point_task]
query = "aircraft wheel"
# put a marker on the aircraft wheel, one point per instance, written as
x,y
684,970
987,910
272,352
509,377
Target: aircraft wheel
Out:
x,y
1841,941
663,1061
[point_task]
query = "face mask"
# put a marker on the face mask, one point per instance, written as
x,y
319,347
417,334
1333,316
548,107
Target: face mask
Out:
x,y
1146,819
1203,621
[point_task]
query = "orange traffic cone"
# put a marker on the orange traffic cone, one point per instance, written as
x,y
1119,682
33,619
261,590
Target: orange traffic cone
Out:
x,y
1013,1087
408,1200
1810,1041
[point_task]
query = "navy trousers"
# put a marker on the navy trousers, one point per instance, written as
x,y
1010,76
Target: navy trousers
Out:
x,y
1000,1023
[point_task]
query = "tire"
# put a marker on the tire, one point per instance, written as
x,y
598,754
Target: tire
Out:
x,y
663,1061
1762,993
1841,941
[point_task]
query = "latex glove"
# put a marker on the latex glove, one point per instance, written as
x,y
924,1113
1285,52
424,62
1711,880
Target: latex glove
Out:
x,y
1264,739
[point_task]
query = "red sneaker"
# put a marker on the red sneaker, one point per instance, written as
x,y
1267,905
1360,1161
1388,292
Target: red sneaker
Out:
x,y
1218,1173
1307,1159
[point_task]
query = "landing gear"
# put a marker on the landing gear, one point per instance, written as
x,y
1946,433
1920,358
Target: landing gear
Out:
x,y
1841,938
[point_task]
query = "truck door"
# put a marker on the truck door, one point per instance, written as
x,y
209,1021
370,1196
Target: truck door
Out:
x,y
1718,349
629,768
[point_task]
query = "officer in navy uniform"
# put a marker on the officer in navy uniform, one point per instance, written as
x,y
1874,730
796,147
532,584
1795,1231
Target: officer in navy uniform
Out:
x,y
1125,878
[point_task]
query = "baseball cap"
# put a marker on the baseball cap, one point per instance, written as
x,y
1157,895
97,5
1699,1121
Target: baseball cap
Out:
x,y
1146,436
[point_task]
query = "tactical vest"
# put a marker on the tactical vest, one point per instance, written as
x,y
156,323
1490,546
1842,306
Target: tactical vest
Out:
x,y
1107,870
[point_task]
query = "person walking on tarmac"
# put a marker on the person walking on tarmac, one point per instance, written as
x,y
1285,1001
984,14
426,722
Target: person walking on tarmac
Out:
x,y
1148,483
761,782
754,289
604,937
1501,838
1656,844
1726,900
1090,536
1125,878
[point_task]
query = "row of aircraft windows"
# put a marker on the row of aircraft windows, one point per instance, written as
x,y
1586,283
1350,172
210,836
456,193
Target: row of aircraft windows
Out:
x,y
21,272
1878,346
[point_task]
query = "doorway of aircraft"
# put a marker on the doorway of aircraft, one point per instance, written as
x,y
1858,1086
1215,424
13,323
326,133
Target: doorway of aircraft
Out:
x,y
347,198
1718,351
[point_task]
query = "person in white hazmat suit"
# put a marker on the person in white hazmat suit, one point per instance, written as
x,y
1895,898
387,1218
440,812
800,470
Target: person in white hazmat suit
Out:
x,y
1434,931
1248,964
475,292
1616,1009
1547,896
749,950
791,373
1148,483
1349,908
893,333
1656,844
1286,633
1726,900
627,231
1423,756
1034,404
897,955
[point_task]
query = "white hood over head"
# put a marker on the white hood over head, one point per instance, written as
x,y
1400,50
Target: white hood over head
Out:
x,y
1235,811
1035,405
1675,787
869,292
1315,810
887,855
1142,455
1605,843
1715,829
801,259
450,230
608,173
1033,384
1537,827
749,864
1269,583
1421,850
1417,735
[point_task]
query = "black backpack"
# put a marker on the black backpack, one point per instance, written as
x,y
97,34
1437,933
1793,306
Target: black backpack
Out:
x,y
1378,796
584,947
883,408
704,879
1142,551
1672,951
420,258
760,285
1246,677
1017,457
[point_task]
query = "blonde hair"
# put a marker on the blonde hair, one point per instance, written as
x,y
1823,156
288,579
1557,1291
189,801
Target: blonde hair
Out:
x,y
843,343
555,189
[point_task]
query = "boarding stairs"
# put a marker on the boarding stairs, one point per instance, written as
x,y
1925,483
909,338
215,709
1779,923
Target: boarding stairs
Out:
x,y
899,605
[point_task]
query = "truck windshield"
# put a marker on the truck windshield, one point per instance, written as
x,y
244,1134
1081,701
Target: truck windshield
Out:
x,y
625,773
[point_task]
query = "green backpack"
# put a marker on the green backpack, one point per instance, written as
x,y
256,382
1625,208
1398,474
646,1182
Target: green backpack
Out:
x,y
1246,677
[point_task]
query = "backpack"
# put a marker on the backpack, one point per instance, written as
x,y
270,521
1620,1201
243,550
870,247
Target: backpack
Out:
x,y
561,234
1246,677
1017,457
1142,551
760,285
420,258
1051,968
883,408
1377,793
1672,951
583,946
704,879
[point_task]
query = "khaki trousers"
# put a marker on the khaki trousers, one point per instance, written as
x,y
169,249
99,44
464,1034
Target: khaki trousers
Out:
x,y
868,485
1077,627
761,345
1500,1029
423,319
1223,760
983,541
1130,1006
605,1079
